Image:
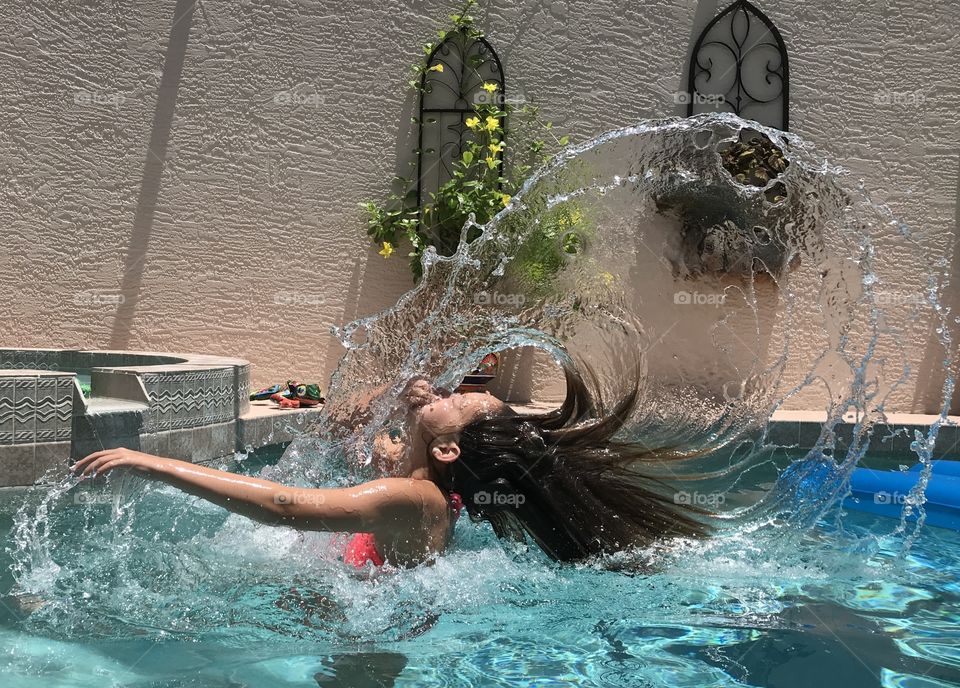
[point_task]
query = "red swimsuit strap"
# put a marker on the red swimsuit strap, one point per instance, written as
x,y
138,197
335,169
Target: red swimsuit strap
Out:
x,y
362,547
456,503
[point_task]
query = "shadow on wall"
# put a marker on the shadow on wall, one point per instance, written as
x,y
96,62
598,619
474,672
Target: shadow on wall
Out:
x,y
928,393
367,291
954,303
132,282
366,295
951,299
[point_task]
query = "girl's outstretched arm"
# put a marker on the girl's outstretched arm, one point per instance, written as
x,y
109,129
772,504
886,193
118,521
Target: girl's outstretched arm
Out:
x,y
378,506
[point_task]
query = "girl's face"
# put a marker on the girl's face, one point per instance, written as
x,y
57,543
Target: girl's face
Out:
x,y
440,422
443,416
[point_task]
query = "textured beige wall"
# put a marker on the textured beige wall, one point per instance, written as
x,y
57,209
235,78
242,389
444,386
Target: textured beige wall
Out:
x,y
203,163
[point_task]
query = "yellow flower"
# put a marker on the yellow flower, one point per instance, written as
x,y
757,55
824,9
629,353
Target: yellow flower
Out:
x,y
607,278
472,122
496,147
436,68
489,88
505,198
491,161
492,123
387,249
571,219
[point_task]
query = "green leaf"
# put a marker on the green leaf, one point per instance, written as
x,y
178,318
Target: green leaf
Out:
x,y
563,140
467,157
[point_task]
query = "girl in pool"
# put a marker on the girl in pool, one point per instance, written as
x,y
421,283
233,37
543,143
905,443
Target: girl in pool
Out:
x,y
559,478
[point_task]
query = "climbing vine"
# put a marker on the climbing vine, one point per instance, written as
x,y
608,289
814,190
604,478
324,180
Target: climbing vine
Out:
x,y
480,184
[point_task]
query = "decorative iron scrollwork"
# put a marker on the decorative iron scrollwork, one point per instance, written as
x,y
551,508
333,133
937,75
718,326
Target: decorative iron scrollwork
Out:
x,y
739,63
448,96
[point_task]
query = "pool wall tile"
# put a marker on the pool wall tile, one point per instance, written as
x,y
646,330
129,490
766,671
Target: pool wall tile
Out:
x,y
66,388
24,410
948,443
201,444
223,438
157,443
808,434
17,465
6,410
783,433
905,439
45,410
883,441
242,390
180,444
51,455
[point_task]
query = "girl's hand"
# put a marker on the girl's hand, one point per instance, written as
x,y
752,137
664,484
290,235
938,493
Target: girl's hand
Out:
x,y
100,462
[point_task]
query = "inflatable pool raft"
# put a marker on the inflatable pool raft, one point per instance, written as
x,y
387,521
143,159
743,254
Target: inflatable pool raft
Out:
x,y
884,492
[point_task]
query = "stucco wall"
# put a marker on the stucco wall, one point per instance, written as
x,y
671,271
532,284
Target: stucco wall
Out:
x,y
201,164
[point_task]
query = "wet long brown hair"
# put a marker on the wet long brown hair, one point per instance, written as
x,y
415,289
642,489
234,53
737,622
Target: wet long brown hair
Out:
x,y
563,479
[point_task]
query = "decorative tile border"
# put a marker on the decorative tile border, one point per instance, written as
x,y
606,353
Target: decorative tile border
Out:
x,y
6,410
243,389
71,360
188,399
35,406
184,403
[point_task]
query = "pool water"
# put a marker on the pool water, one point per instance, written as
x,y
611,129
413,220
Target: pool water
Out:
x,y
145,586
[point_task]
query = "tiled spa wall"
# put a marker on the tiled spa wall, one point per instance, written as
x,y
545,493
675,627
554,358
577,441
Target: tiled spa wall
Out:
x,y
184,406
36,418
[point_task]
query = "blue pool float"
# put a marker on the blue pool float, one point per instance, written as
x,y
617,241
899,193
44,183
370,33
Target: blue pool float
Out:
x,y
883,493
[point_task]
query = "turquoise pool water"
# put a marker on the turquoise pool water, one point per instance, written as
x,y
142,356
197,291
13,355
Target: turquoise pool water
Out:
x,y
143,586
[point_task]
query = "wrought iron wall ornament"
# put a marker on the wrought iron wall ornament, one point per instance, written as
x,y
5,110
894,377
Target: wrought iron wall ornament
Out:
x,y
739,63
448,96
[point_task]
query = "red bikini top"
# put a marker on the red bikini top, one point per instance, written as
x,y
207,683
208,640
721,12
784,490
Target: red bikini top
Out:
x,y
362,547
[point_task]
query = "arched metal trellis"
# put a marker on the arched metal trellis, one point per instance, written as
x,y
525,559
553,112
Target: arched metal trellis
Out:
x,y
449,96
739,63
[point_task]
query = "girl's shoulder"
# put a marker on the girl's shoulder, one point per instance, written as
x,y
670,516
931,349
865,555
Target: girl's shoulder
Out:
x,y
416,491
